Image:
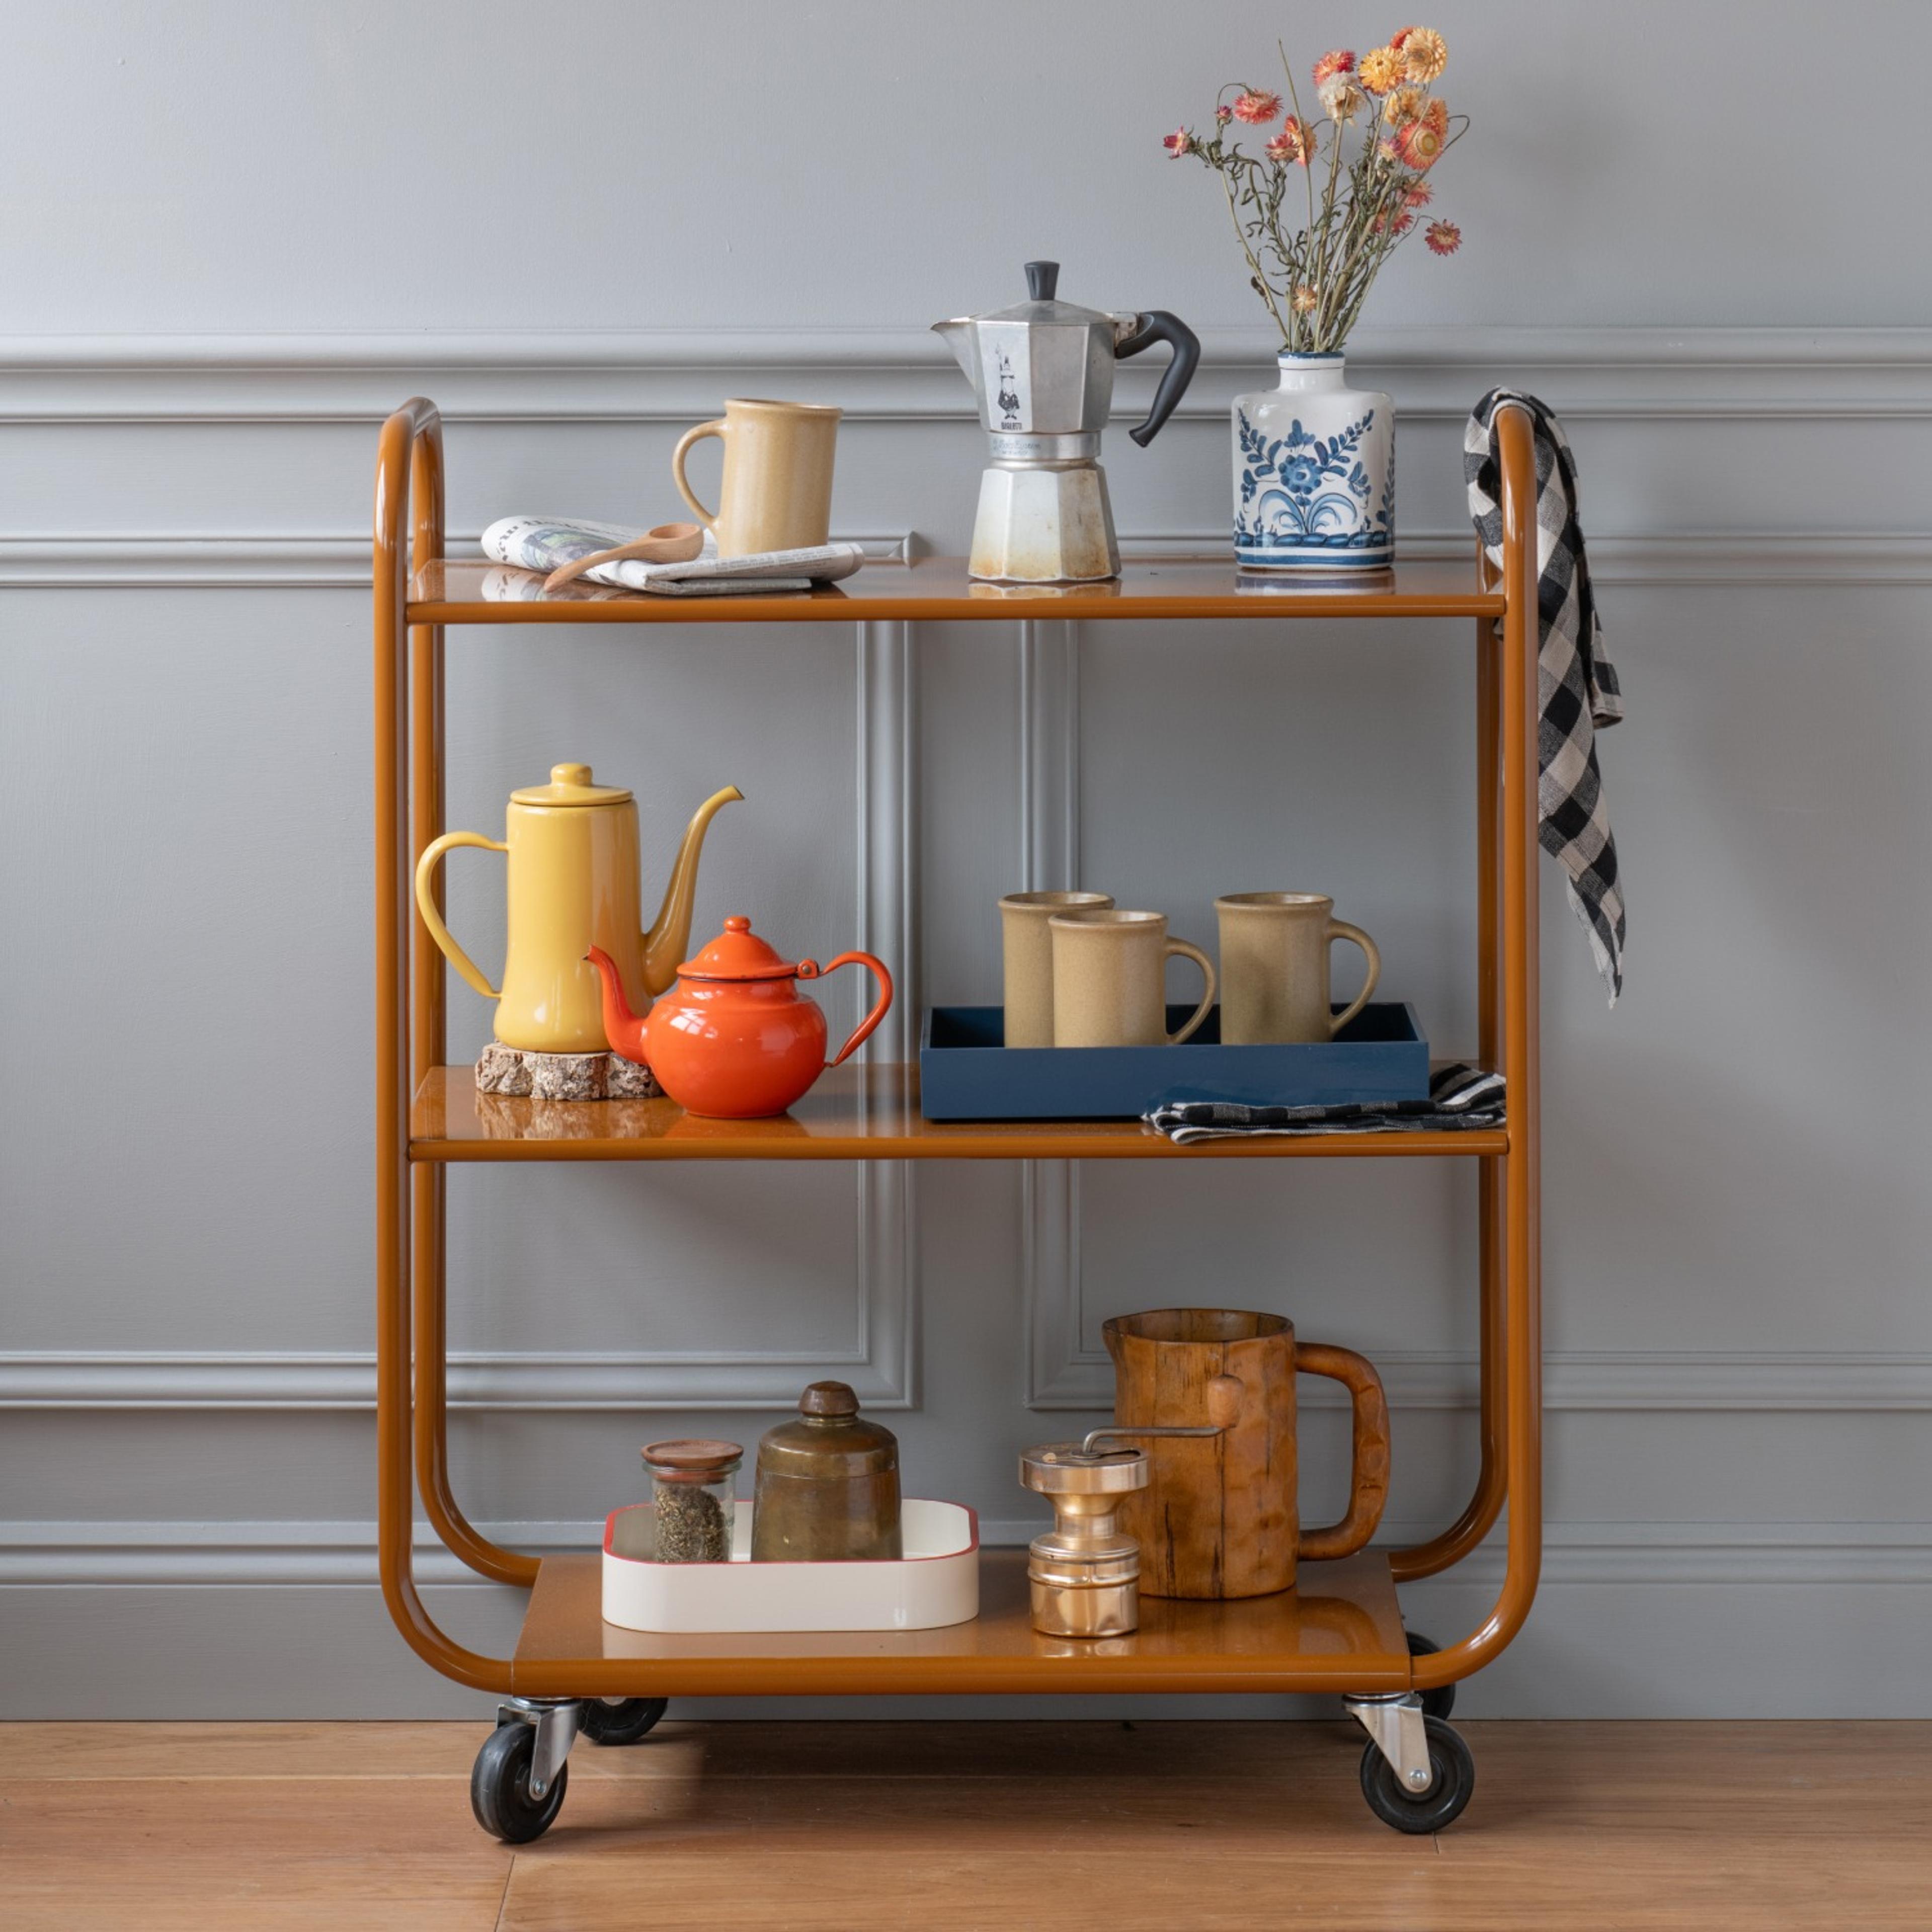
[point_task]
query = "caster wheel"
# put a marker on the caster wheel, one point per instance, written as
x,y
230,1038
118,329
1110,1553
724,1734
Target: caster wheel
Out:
x,y
622,1720
499,1787
1440,1701
1441,1804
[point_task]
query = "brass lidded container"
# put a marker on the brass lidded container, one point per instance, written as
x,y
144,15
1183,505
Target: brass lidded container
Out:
x,y
827,1489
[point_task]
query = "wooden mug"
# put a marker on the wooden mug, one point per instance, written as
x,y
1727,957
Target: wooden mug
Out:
x,y
1274,967
777,491
1026,946
1110,976
1218,1518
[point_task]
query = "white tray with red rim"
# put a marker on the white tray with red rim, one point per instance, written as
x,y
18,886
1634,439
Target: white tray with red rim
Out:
x,y
935,1582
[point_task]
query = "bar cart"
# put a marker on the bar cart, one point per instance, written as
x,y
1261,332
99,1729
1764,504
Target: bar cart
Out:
x,y
1341,1630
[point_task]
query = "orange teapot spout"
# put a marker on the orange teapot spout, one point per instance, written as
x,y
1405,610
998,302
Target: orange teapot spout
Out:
x,y
622,1028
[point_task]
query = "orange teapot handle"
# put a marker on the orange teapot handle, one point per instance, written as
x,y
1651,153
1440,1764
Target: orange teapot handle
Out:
x,y
810,969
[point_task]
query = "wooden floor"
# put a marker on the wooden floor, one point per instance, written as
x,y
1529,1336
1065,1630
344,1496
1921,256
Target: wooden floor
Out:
x,y
1167,1827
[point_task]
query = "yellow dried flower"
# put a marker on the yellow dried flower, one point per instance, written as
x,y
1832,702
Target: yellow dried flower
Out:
x,y
1405,103
1424,52
1380,69
1303,299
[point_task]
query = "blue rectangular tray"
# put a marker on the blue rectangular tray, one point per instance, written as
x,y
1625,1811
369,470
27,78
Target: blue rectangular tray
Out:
x,y
966,1074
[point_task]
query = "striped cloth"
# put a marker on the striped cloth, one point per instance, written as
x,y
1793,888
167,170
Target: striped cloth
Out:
x,y
1577,692
1460,1096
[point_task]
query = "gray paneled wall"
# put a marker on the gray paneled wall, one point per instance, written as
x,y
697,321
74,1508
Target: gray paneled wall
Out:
x,y
1740,1351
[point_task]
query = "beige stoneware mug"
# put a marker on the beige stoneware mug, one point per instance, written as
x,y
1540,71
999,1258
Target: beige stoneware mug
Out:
x,y
1028,946
1109,979
777,492
1274,967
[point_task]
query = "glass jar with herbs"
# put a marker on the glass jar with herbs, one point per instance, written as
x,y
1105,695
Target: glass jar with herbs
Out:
x,y
694,1498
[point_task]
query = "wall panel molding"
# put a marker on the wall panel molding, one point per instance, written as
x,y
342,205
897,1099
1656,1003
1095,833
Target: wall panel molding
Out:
x,y
905,375
48,1554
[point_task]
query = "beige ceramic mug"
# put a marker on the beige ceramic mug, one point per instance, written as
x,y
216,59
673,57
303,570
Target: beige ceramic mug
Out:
x,y
777,492
1109,979
1274,967
1026,944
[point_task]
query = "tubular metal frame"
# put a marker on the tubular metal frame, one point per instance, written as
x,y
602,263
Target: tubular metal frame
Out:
x,y
411,1284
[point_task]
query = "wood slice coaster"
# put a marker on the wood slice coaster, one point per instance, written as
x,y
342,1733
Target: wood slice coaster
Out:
x,y
563,1076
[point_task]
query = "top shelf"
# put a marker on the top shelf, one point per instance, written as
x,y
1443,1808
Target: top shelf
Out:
x,y
937,589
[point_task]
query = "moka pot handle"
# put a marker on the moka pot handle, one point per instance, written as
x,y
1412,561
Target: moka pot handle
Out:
x,y
1158,325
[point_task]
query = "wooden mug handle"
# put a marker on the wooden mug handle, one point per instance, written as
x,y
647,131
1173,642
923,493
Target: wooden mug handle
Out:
x,y
1369,1474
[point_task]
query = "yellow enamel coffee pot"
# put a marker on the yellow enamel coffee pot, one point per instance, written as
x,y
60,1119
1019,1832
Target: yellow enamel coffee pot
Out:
x,y
573,884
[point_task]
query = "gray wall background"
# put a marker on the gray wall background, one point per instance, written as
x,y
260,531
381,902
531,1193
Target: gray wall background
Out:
x,y
235,237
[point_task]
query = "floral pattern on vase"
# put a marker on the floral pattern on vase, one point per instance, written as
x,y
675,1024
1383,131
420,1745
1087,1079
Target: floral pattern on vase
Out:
x,y
1314,472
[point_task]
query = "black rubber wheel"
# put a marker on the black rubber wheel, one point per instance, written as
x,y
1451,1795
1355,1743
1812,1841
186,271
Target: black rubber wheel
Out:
x,y
1441,1804
499,1787
622,1722
1440,1701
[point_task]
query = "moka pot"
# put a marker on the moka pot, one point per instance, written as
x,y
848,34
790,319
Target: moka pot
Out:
x,y
1043,371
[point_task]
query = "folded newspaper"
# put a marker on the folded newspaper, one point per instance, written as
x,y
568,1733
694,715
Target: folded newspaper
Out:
x,y
545,544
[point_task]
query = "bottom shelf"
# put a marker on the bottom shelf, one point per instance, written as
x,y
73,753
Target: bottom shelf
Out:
x,y
1340,1629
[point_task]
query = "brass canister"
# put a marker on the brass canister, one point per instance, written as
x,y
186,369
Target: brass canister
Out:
x,y
827,1489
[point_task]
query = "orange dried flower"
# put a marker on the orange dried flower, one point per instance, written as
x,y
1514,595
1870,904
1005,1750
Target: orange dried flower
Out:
x,y
1424,52
1380,69
1339,60
1257,108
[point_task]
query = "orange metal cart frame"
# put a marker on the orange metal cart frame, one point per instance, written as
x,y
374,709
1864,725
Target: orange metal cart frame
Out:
x,y
1341,1631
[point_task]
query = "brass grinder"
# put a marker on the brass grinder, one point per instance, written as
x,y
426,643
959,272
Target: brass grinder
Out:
x,y
1084,1573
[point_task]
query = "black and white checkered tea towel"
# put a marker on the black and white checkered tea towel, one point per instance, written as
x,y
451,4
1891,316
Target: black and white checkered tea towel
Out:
x,y
1459,1096
1577,693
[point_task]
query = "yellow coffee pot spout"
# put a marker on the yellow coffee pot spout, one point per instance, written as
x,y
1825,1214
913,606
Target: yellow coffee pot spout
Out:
x,y
669,935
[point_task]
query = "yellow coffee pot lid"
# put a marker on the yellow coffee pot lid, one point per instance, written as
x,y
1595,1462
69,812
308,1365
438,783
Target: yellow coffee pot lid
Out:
x,y
570,784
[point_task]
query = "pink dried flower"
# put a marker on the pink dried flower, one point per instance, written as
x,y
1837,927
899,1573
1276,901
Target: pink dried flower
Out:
x,y
1256,107
1444,238
1418,194
1222,115
1180,143
1295,142
1340,60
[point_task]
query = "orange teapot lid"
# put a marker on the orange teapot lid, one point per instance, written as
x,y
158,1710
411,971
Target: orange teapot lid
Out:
x,y
739,953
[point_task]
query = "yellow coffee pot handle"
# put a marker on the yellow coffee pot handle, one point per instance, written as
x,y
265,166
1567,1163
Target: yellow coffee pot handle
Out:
x,y
426,902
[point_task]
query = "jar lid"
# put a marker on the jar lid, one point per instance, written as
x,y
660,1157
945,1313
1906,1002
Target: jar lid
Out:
x,y
692,1459
739,953
828,1438
570,784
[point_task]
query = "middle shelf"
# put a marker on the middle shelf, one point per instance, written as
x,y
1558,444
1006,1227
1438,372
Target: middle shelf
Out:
x,y
853,1113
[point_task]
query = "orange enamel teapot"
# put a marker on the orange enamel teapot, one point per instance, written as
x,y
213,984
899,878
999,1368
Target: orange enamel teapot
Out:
x,y
735,1039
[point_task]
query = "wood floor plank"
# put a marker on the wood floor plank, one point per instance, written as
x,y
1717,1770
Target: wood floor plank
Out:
x,y
159,1852
1153,1827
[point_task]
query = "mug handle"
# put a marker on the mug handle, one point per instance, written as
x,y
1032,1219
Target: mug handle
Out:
x,y
1201,959
1368,1469
677,456
810,969
1340,928
426,903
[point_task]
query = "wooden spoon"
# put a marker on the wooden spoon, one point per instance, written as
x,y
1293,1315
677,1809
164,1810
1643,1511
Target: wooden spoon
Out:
x,y
669,543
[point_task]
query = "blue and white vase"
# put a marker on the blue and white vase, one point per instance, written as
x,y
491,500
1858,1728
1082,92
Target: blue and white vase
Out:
x,y
1314,472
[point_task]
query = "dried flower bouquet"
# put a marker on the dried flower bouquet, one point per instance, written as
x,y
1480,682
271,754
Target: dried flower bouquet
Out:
x,y
1315,278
